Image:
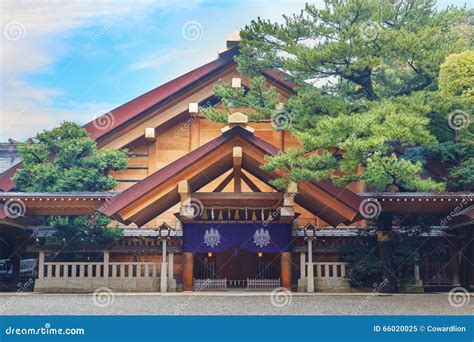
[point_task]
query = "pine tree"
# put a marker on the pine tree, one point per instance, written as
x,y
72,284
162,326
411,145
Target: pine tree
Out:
x,y
65,159
367,88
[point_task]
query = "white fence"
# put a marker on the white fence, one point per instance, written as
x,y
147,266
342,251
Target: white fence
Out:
x,y
237,283
209,284
330,269
98,270
262,284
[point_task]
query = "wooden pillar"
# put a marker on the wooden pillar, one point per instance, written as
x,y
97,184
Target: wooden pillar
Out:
x,y
171,266
106,264
237,159
286,270
41,265
194,132
188,271
150,136
454,263
287,210
302,265
310,266
163,277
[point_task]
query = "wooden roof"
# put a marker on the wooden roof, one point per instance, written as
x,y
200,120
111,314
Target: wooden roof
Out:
x,y
56,203
421,202
158,192
151,102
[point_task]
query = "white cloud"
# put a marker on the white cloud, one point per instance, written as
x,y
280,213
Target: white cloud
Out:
x,y
161,59
32,39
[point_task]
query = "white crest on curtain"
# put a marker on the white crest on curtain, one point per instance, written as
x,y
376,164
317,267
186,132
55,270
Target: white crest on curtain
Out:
x,y
212,237
261,238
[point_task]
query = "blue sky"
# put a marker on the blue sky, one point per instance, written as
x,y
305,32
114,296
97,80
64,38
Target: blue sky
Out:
x,y
75,60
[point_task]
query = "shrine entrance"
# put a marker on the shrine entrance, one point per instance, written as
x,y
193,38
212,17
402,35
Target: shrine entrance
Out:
x,y
239,267
250,256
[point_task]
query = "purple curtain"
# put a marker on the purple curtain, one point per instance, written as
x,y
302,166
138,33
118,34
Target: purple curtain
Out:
x,y
254,237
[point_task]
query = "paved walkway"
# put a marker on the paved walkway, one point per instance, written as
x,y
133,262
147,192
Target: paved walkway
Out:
x,y
233,303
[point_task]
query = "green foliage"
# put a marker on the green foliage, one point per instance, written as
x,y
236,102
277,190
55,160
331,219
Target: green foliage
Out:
x,y
83,230
407,249
66,159
367,88
365,268
390,170
261,99
461,177
457,75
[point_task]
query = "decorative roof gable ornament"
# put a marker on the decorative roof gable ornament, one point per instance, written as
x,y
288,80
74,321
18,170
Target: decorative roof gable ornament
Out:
x,y
261,238
212,237
238,119
233,39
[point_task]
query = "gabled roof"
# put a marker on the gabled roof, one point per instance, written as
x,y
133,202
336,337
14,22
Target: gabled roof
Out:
x,y
152,100
158,192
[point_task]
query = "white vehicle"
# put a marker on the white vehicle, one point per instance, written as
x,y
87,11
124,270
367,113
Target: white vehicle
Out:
x,y
27,268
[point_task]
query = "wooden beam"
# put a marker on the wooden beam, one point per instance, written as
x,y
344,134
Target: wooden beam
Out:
x,y
215,165
152,156
150,134
237,157
249,182
240,200
289,200
184,189
169,195
224,183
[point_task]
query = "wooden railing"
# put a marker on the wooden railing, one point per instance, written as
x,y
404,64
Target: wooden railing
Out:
x,y
262,284
209,284
133,269
330,269
99,270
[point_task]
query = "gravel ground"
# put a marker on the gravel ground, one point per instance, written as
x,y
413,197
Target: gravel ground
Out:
x,y
231,304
